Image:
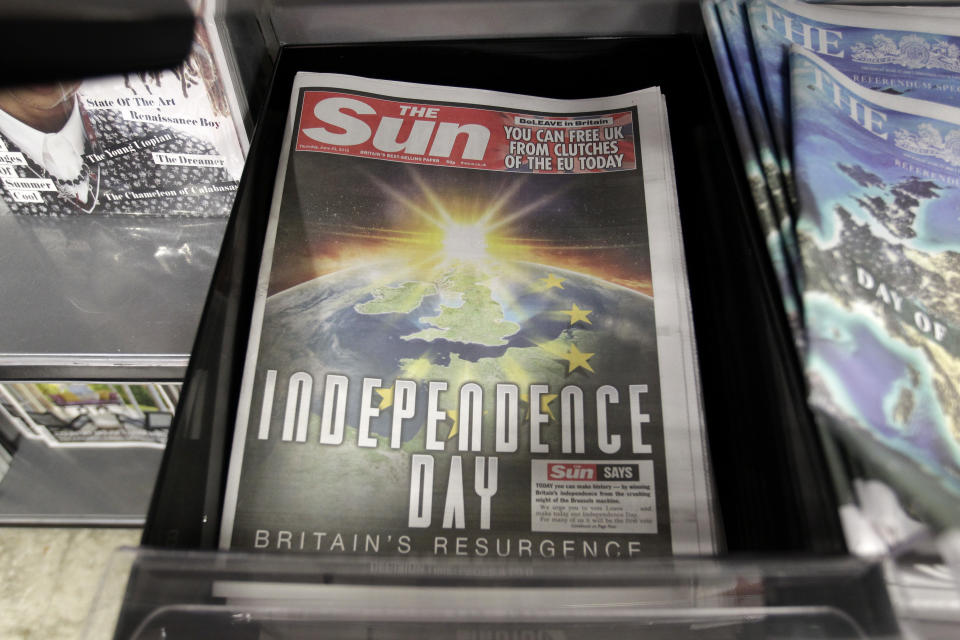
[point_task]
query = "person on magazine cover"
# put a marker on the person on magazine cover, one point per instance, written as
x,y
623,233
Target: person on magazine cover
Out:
x,y
59,158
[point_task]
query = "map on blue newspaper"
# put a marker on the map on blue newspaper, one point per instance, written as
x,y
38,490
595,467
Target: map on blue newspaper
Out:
x,y
879,179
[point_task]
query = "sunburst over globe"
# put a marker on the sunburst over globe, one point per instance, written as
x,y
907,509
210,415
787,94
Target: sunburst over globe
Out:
x,y
465,241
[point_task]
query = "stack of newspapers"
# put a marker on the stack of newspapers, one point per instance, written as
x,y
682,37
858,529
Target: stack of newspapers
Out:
x,y
472,333
848,122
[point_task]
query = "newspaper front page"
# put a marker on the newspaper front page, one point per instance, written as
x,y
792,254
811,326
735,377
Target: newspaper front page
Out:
x,y
878,177
472,334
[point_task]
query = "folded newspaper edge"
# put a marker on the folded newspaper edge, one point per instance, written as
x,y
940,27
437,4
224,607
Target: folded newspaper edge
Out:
x,y
689,487
763,176
736,32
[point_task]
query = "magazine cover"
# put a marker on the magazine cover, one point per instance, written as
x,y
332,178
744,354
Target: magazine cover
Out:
x,y
114,196
878,177
158,143
81,453
471,333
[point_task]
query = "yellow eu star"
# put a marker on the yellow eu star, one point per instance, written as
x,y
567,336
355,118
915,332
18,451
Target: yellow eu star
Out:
x,y
576,314
577,359
552,281
545,401
453,415
386,397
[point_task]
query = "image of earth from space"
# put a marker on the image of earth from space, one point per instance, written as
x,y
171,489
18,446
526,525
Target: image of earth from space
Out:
x,y
509,322
487,322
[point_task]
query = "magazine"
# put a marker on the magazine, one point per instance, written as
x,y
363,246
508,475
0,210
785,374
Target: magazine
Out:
x,y
160,143
110,226
471,334
877,176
